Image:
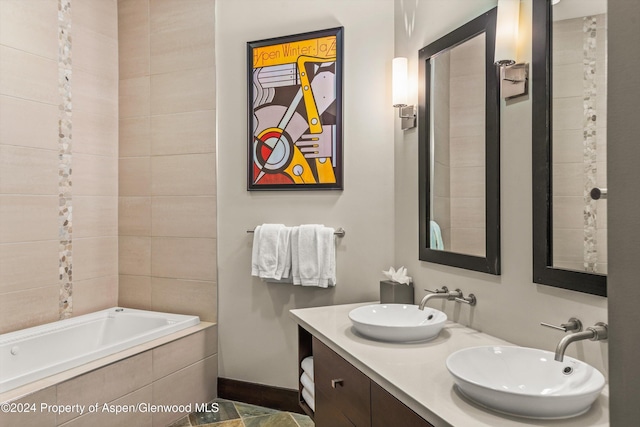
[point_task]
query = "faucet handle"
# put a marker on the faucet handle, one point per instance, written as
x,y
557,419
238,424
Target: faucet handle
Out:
x,y
443,290
471,299
574,325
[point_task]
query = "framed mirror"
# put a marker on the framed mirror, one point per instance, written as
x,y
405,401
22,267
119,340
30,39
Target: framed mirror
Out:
x,y
459,149
569,68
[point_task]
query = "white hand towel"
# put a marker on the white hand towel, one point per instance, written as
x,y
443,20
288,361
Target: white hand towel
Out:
x,y
313,260
283,263
307,383
309,399
307,366
265,251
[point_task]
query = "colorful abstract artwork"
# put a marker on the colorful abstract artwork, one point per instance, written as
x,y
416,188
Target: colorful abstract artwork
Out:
x,y
295,112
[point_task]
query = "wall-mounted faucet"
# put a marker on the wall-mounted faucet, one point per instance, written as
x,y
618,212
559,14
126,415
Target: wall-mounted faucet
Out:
x,y
598,332
444,293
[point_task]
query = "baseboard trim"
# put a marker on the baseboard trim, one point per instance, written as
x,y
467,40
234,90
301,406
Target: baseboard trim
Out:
x,y
282,399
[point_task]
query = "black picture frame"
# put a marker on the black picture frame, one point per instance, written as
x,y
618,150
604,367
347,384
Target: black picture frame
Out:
x,y
295,112
490,263
542,126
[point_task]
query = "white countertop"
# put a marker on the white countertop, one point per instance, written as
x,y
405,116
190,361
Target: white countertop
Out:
x,y
416,373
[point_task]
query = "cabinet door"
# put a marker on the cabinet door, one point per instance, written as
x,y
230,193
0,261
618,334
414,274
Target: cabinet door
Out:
x,y
387,411
340,387
327,413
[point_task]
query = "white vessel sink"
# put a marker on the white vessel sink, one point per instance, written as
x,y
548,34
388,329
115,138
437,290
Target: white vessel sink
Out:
x,y
397,322
526,382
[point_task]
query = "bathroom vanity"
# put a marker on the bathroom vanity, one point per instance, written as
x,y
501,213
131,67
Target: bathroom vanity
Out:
x,y
361,382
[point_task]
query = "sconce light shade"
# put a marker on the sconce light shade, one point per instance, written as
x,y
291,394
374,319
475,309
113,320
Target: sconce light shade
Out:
x,y
399,76
507,32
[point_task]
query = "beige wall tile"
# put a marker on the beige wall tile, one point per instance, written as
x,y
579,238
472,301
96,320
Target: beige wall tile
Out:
x,y
567,113
134,216
28,218
106,384
134,255
28,170
184,133
95,216
468,182
16,123
183,258
94,175
135,176
183,91
133,40
94,294
568,179
135,137
184,175
134,292
95,134
181,38
32,419
27,76
95,257
95,93
184,216
179,354
134,97
198,298
99,15
467,121
567,146
94,52
194,384
467,151
129,419
28,265
33,307
568,246
467,213
470,241
30,25
568,212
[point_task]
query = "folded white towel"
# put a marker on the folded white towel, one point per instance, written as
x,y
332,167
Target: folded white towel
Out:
x,y
313,256
270,254
307,383
306,395
307,366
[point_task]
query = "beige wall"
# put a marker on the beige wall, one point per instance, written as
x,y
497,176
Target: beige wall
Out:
x,y
510,306
258,340
29,169
167,204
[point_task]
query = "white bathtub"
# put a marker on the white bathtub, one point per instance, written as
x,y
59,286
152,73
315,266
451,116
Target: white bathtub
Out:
x,y
34,353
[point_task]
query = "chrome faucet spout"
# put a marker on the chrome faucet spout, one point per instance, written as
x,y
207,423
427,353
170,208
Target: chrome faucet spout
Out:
x,y
593,333
443,293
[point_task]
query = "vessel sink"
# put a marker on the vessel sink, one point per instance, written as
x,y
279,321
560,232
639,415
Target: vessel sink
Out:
x,y
397,322
526,382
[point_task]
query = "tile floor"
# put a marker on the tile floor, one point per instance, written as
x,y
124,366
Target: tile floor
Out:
x,y
238,414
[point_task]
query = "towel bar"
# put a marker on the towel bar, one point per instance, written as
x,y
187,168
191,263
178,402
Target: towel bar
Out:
x,y
340,232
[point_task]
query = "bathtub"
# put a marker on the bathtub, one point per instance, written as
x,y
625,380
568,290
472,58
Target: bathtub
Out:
x,y
34,353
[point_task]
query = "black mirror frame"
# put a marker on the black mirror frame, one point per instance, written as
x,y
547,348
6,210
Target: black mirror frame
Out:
x,y
485,23
543,271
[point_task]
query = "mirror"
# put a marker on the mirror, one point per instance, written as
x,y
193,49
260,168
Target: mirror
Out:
x,y
569,144
459,178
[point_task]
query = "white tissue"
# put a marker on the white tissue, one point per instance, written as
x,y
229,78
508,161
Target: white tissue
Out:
x,y
399,276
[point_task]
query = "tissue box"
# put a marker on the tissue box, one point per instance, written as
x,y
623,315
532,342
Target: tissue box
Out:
x,y
395,293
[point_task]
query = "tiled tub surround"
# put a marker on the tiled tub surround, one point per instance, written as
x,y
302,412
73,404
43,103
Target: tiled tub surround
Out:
x,y
416,373
177,369
35,353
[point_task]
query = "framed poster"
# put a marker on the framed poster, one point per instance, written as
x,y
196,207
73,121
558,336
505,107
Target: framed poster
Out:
x,y
295,112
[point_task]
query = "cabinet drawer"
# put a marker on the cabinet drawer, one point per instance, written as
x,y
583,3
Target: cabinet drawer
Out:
x,y
386,410
345,388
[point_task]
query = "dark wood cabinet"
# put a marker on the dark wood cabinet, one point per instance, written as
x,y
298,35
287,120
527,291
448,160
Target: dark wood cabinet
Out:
x,y
345,397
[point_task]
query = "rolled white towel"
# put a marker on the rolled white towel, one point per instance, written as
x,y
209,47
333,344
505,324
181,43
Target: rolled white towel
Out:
x,y
306,395
307,366
307,383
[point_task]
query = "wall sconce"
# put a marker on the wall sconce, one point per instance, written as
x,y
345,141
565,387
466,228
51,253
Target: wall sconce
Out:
x,y
407,113
514,78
